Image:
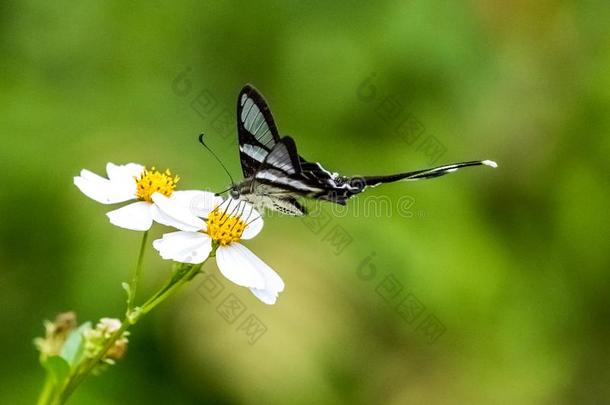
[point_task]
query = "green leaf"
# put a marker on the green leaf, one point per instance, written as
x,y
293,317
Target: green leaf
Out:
x,y
57,367
74,348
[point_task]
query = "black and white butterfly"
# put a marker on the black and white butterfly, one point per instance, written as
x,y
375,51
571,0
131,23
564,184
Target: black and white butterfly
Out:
x,y
275,175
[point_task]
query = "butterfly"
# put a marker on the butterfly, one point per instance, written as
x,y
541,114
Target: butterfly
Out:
x,y
275,175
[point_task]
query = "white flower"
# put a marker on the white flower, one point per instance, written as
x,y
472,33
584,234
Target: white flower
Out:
x,y
226,223
131,182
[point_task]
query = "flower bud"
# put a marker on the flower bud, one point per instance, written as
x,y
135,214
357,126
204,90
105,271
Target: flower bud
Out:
x,y
56,333
97,338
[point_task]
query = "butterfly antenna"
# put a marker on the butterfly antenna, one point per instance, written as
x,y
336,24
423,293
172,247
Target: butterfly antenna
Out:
x,y
217,159
222,192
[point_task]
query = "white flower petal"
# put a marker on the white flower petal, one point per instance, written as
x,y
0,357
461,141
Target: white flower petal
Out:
x,y
240,265
123,172
161,217
172,212
254,225
135,216
93,186
266,296
184,247
89,175
103,190
273,282
199,203
123,177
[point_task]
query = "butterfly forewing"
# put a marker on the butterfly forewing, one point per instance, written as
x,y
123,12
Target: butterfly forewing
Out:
x,y
256,130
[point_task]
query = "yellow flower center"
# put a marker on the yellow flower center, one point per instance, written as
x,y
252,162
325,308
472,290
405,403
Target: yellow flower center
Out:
x,y
224,228
153,181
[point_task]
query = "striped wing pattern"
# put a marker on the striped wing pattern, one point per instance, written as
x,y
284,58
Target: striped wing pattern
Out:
x,y
256,130
275,175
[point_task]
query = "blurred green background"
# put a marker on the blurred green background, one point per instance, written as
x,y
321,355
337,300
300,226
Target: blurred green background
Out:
x,y
511,265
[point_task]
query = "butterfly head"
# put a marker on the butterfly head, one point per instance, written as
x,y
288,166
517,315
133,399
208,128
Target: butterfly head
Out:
x,y
234,192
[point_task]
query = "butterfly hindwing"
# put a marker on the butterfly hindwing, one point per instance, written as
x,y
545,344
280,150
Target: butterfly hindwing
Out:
x,y
282,174
289,206
283,157
256,129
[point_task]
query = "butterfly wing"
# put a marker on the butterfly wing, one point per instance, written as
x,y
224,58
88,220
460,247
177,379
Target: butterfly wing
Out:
x,y
277,182
281,172
288,206
276,175
283,157
256,130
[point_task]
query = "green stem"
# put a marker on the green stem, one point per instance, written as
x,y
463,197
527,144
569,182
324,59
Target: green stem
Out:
x,y
183,273
46,395
131,297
